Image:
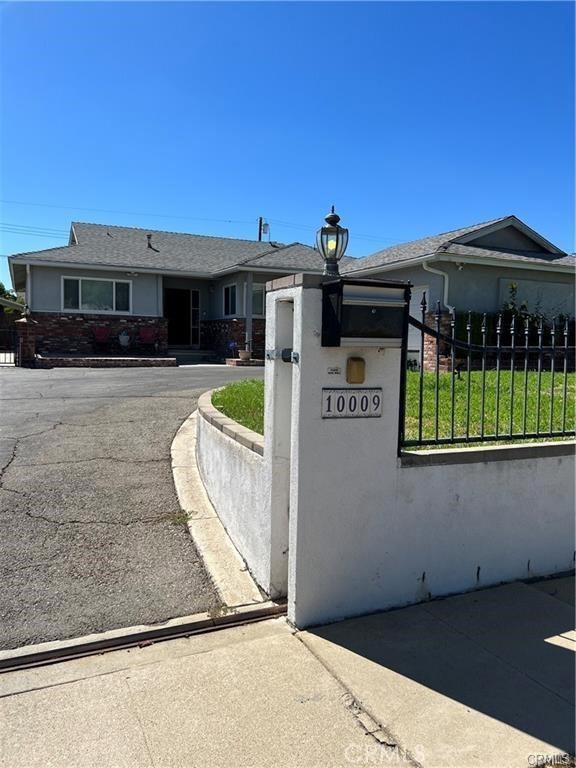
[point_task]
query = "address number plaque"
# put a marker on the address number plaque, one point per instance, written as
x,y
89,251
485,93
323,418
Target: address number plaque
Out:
x,y
351,403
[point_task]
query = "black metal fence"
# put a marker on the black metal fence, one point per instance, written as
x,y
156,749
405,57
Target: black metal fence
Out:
x,y
510,379
8,346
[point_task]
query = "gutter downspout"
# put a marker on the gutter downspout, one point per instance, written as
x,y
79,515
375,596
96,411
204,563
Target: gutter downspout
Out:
x,y
446,284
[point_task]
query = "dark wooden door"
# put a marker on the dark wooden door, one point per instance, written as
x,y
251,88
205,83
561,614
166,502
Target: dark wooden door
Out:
x,y
177,312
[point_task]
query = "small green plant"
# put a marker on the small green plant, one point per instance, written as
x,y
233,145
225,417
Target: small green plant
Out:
x,y
179,518
219,610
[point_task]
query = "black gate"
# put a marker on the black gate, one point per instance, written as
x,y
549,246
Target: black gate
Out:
x,y
8,346
510,378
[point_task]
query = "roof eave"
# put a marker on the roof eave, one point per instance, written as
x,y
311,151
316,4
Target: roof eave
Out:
x,y
275,270
484,261
113,268
390,266
488,261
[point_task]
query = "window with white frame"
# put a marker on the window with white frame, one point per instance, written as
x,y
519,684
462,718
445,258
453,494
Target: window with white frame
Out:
x,y
258,299
85,294
230,299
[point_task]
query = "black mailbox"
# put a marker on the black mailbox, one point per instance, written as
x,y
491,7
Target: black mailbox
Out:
x,y
364,313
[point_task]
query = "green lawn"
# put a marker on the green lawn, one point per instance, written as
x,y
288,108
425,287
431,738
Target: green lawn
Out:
x,y
534,408
244,402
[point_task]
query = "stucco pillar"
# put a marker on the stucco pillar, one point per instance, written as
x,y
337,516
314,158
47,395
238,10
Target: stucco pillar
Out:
x,y
337,469
26,341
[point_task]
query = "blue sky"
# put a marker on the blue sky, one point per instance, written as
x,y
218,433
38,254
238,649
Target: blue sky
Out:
x,y
412,118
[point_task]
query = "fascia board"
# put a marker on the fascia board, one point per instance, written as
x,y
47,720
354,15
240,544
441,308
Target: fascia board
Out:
x,y
111,268
501,263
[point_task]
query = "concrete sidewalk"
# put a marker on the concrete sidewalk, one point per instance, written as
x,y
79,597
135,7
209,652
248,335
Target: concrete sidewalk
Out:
x,y
484,679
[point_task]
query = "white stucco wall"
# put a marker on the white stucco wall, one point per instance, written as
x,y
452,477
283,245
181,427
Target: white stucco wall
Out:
x,y
235,480
368,532
329,509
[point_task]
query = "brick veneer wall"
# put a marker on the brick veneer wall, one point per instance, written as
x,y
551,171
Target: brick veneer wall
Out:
x,y
217,335
74,333
445,362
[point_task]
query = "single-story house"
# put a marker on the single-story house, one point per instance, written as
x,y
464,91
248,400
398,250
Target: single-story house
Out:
x,y
185,291
198,292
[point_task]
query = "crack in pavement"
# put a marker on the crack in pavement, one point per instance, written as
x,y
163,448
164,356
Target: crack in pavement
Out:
x,y
157,519
9,571
32,434
10,460
94,458
111,397
12,490
102,496
15,447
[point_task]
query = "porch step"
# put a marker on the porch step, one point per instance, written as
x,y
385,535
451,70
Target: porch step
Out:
x,y
186,356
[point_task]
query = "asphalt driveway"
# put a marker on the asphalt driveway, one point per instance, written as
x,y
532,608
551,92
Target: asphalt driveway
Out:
x,y
91,534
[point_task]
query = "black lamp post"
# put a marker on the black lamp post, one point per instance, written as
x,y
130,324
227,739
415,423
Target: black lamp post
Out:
x,y
331,241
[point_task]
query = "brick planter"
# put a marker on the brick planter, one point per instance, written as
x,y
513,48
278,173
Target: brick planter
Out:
x,y
74,334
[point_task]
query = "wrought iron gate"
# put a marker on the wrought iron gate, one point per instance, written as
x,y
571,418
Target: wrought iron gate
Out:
x,y
8,346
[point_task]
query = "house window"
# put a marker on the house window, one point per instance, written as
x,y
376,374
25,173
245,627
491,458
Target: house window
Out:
x,y
230,299
82,294
258,299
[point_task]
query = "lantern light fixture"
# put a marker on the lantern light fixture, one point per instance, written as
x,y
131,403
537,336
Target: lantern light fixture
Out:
x,y
331,241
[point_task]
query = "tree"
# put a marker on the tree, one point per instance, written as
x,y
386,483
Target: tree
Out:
x,y
6,293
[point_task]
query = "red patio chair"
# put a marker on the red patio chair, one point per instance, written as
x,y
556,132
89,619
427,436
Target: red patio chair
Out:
x,y
102,335
148,337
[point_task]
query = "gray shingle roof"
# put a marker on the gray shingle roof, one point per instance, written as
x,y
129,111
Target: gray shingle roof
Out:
x,y
127,247
290,257
415,248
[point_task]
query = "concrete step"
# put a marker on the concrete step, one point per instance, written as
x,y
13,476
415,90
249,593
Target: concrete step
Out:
x,y
186,356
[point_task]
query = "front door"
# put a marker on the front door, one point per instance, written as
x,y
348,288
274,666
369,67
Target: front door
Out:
x,y
177,312
182,310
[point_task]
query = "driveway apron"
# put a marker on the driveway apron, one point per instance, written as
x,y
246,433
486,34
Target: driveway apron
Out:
x,y
92,537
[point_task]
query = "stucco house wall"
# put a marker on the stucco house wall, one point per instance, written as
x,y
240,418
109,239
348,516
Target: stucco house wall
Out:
x,y
46,294
479,289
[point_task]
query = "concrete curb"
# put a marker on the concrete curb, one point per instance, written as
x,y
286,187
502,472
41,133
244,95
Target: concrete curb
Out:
x,y
223,562
114,639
